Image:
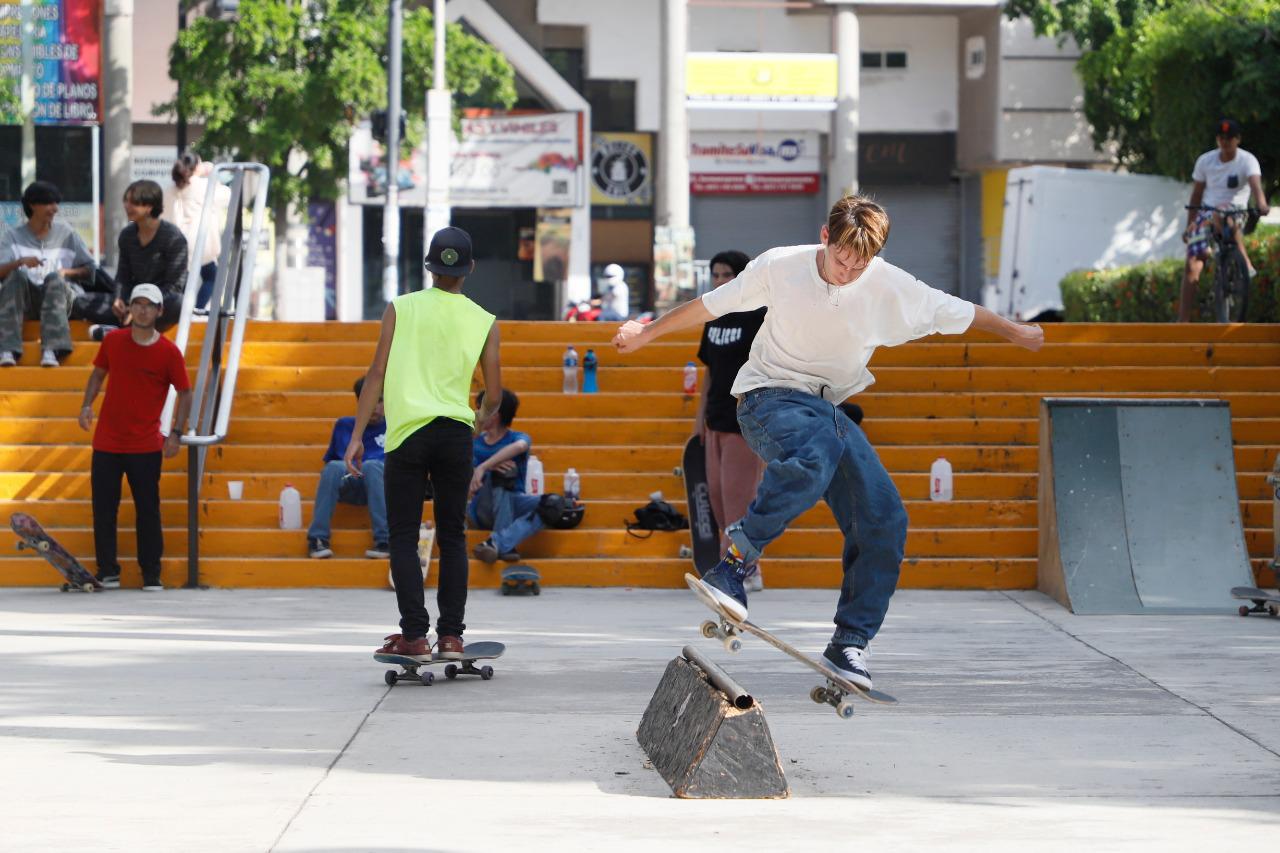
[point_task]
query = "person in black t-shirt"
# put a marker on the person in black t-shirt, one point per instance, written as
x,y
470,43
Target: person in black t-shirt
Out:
x,y
733,469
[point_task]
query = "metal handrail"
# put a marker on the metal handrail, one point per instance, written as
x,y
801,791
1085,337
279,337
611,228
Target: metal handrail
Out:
x,y
214,389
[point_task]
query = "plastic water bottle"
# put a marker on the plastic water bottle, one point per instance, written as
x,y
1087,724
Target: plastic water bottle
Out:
x,y
571,371
589,364
690,379
572,485
534,484
940,480
290,508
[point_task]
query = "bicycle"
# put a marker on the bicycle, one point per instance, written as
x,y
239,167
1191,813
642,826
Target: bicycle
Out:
x,y
1231,274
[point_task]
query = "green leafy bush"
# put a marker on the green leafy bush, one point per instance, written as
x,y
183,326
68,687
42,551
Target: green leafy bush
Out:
x,y
1148,293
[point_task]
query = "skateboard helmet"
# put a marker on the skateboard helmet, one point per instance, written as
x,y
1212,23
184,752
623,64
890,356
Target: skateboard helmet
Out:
x,y
559,512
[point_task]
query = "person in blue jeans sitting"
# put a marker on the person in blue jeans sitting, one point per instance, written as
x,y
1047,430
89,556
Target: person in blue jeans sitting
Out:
x,y
498,498
830,306
336,485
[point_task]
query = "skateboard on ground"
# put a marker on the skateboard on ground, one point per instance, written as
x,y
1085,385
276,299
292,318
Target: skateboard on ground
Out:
x,y
521,580
729,631
471,652
31,535
1263,601
702,522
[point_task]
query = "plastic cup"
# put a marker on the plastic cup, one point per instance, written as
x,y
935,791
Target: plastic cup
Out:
x,y
235,488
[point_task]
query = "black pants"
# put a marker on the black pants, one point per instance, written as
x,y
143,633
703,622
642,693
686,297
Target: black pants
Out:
x,y
143,471
440,454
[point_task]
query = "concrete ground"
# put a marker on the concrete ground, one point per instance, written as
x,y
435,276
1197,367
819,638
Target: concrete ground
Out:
x,y
256,720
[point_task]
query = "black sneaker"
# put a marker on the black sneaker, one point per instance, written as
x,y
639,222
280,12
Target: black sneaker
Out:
x,y
151,583
380,551
850,662
98,331
725,583
109,581
318,549
510,557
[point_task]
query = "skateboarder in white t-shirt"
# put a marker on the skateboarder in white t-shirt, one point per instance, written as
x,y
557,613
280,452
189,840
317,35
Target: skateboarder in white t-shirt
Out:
x,y
830,305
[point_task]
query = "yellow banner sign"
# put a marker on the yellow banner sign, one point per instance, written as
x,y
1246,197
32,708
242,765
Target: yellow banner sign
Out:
x,y
761,77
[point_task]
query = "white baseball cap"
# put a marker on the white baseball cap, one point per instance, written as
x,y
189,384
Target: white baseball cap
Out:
x,y
149,292
613,271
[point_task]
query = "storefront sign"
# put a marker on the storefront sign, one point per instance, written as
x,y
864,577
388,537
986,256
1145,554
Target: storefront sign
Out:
x,y
501,161
66,54
553,234
906,158
154,163
732,163
621,169
761,80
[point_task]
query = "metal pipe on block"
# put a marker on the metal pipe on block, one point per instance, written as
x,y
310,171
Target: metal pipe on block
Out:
x,y
739,698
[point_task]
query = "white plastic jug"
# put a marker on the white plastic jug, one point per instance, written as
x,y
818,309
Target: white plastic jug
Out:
x,y
290,508
534,484
570,371
940,480
571,484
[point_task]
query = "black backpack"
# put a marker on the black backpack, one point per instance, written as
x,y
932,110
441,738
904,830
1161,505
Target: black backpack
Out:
x,y
656,515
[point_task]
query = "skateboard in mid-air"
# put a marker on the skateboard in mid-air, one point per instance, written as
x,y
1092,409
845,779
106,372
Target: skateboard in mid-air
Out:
x,y
31,535
521,580
1263,601
453,667
729,631
702,521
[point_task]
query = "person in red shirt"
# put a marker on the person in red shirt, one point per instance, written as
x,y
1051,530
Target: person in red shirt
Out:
x,y
143,364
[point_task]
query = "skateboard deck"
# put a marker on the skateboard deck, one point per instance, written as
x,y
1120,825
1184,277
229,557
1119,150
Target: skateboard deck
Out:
x,y
453,667
702,522
1263,601
729,629
521,580
32,535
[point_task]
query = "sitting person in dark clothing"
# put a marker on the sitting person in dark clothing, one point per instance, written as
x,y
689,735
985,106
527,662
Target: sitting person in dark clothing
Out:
x,y
152,251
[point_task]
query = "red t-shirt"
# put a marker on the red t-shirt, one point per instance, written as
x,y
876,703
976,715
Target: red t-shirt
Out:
x,y
138,381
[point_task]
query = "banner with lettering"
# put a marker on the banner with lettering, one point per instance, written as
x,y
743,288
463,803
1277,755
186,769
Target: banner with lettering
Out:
x,y
64,51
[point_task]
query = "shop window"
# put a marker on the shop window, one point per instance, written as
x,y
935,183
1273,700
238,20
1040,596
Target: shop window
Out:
x,y
895,59
884,60
872,59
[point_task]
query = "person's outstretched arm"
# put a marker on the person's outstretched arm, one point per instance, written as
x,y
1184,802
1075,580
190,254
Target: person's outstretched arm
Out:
x,y
491,369
633,335
1026,335
371,393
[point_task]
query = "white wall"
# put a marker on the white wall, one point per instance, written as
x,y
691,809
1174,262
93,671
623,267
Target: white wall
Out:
x,y
155,29
924,97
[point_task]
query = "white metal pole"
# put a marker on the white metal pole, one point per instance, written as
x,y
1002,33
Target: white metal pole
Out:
x,y
27,94
673,141
391,212
118,122
842,177
439,140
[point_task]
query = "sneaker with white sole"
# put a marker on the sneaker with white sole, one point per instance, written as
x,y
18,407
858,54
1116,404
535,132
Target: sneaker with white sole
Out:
x,y
48,358
724,581
152,583
849,662
8,359
109,580
754,581
318,548
380,551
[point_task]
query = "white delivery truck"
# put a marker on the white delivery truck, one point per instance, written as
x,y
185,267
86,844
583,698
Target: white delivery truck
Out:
x,y
1059,220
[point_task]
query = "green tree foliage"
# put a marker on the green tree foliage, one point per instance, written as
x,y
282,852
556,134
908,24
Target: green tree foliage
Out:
x,y
1157,75
284,82
10,101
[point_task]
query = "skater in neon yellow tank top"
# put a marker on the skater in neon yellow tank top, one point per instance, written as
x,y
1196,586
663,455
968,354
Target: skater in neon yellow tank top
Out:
x,y
427,353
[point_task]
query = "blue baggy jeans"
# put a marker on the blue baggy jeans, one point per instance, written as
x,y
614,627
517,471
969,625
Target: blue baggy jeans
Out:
x,y
812,451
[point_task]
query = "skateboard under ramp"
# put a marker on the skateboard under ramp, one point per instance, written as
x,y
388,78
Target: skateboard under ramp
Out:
x,y
1138,506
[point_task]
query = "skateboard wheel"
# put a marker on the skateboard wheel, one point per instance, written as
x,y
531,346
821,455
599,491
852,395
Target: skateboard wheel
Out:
x,y
390,678
818,695
486,672
87,587
1243,611
537,588
451,671
42,547
1273,610
845,710
685,552
65,587
710,629
677,471
732,644
426,678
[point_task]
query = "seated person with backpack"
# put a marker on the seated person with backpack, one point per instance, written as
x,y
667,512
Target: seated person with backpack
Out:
x,y
337,485
498,499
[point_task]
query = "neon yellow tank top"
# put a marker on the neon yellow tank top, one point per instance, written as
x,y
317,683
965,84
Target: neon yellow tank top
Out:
x,y
437,343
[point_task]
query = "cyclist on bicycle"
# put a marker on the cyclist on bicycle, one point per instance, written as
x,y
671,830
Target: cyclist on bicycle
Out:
x,y
1224,178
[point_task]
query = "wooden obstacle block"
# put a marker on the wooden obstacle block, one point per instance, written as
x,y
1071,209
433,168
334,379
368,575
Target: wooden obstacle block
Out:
x,y
703,746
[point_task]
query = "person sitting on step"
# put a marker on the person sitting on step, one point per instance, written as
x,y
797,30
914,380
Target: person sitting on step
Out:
x,y
499,501
336,485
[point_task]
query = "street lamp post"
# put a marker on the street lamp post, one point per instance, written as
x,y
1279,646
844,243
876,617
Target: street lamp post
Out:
x,y
391,212
439,114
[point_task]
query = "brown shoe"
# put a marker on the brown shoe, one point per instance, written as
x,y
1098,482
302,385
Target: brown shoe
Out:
x,y
396,644
485,552
449,647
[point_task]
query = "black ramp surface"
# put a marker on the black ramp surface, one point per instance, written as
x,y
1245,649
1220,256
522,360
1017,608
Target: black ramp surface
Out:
x,y
1145,507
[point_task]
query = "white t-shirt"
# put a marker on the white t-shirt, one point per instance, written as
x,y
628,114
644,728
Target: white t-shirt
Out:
x,y
819,338
1226,184
618,296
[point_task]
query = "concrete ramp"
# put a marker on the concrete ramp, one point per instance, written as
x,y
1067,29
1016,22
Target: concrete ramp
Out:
x,y
1138,506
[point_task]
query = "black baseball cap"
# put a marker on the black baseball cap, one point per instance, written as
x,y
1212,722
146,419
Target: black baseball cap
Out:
x,y
450,252
1228,127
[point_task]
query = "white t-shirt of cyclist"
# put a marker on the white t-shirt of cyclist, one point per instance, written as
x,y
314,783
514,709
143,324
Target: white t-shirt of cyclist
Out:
x,y
1226,184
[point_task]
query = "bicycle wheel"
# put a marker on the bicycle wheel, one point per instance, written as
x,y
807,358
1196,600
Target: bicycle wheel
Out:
x,y
1230,287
